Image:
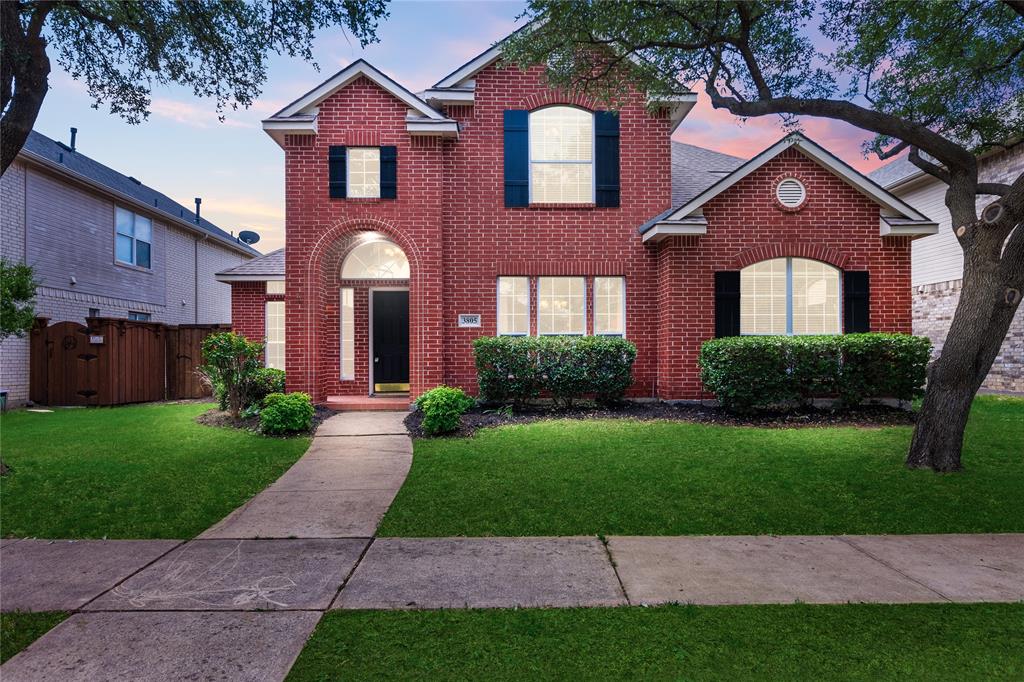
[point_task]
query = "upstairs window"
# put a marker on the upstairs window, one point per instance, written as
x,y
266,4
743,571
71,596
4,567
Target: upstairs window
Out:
x,y
561,156
364,172
134,238
790,296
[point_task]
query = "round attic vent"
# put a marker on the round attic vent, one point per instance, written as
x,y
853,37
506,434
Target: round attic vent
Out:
x,y
790,193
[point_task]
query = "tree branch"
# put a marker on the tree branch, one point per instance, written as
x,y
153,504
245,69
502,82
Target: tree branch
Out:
x,y
927,166
996,188
892,151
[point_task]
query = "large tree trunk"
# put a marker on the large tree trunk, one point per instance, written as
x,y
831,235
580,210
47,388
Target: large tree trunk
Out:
x,y
25,77
982,318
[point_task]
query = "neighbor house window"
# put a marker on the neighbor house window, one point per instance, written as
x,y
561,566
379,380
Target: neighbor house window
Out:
x,y
139,317
348,333
363,172
610,306
790,296
275,287
561,156
376,260
514,306
561,305
274,351
134,238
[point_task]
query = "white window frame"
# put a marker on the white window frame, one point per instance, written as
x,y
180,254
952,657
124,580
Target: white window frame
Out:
x,y
350,339
266,332
593,154
789,301
622,319
583,317
498,306
137,316
348,173
134,262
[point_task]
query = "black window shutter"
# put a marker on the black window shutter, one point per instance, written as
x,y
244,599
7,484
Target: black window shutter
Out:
x,y
389,172
336,172
856,294
517,157
727,303
606,159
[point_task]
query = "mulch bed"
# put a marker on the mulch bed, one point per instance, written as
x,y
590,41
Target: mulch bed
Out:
x,y
221,419
866,416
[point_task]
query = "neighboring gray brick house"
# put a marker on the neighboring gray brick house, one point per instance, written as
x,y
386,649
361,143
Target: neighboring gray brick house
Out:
x,y
938,262
84,228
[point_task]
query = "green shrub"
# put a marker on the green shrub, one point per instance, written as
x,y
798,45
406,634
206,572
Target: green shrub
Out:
x,y
757,372
261,383
517,369
230,360
442,408
286,413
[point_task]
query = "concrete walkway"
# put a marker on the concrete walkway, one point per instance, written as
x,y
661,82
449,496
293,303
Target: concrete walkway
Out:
x,y
240,601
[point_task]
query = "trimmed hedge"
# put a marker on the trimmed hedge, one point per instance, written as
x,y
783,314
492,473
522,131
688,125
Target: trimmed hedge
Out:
x,y
286,413
757,372
517,369
443,408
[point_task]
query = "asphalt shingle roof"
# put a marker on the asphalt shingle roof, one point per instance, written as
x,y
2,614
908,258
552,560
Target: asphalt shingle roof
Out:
x,y
270,264
79,163
694,169
894,171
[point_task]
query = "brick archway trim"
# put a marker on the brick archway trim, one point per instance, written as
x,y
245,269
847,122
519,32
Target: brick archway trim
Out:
x,y
833,257
317,252
552,97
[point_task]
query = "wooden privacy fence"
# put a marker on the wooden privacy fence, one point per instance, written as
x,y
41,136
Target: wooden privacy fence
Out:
x,y
113,361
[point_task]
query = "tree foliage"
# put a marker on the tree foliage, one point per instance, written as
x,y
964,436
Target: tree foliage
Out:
x,y
17,298
943,81
231,361
121,49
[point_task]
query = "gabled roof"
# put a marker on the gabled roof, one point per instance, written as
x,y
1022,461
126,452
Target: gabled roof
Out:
x,y
694,169
265,268
60,158
458,87
901,218
299,117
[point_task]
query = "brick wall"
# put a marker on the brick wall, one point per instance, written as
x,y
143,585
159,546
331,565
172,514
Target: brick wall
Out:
x,y
450,219
934,305
13,351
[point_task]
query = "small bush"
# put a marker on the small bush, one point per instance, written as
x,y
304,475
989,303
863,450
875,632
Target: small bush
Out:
x,y
442,408
757,372
262,383
230,360
517,369
286,413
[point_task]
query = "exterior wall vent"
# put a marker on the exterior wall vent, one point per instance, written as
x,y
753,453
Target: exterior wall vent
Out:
x,y
790,193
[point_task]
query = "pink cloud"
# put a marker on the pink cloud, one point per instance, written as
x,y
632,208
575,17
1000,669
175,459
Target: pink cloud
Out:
x,y
717,129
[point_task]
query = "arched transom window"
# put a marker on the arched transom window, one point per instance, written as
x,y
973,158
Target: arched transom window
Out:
x,y
376,260
790,296
561,156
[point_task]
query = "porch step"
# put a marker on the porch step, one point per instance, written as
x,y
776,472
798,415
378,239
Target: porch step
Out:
x,y
355,403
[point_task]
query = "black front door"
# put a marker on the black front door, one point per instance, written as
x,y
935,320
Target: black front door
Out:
x,y
390,341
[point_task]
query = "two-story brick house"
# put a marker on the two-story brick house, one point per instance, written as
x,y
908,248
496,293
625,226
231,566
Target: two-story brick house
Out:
x,y
492,204
104,244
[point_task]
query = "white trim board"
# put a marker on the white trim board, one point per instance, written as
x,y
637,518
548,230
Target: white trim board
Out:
x,y
816,153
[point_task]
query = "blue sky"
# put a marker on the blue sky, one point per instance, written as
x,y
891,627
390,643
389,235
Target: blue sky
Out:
x,y
185,151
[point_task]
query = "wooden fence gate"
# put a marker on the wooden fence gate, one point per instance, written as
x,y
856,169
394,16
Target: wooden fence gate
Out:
x,y
113,361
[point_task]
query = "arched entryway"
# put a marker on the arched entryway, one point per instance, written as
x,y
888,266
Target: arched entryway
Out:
x,y
375,272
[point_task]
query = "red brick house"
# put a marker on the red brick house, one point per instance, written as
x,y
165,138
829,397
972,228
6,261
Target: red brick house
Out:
x,y
492,204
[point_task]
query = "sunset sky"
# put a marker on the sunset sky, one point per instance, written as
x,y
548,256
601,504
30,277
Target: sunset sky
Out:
x,y
184,151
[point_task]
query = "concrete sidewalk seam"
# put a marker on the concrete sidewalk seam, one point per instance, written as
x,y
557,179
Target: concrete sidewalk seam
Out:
x,y
127,577
871,556
615,569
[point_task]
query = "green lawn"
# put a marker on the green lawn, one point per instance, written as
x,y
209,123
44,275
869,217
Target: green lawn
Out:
x,y
18,630
630,478
869,642
146,471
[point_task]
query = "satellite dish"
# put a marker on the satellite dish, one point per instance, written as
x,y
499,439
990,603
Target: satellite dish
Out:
x,y
248,236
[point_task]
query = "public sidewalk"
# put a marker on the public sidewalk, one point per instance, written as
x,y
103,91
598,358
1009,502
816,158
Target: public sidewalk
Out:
x,y
240,601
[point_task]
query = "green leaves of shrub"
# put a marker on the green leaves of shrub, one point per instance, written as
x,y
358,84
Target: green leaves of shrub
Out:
x,y
517,369
442,407
758,372
286,413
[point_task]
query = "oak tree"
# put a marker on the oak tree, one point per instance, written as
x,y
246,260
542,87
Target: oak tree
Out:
x,y
943,81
